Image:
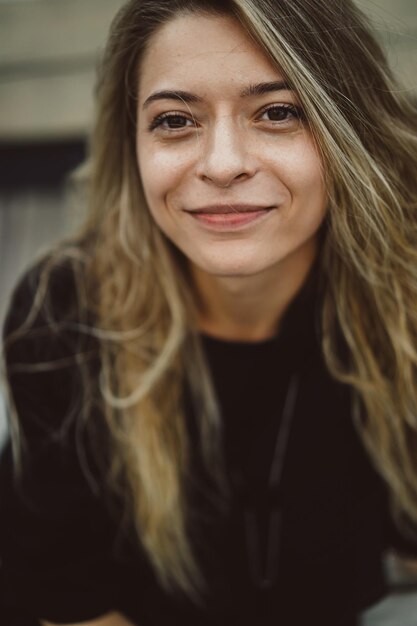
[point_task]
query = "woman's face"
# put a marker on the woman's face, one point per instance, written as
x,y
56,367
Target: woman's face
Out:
x,y
229,169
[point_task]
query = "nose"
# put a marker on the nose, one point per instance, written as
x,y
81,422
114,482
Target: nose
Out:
x,y
225,155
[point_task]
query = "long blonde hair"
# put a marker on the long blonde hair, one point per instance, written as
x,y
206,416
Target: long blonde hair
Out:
x,y
138,292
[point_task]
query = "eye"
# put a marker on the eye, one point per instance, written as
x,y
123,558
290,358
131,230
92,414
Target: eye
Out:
x,y
171,122
281,113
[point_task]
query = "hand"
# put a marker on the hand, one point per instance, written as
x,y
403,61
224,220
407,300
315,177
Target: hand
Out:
x,y
111,619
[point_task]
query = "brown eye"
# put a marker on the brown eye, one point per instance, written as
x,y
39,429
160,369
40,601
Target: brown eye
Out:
x,y
277,114
171,121
281,113
175,121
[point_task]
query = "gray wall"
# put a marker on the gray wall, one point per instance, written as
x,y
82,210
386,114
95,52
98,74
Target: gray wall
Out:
x,y
48,54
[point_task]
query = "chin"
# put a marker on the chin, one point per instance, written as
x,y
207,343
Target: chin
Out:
x,y
233,269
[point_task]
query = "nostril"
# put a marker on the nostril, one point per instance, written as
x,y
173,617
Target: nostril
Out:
x,y
233,179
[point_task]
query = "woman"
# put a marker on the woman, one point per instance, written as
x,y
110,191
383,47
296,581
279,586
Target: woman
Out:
x,y
212,386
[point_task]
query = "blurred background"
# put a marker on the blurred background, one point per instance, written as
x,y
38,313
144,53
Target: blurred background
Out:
x,y
48,54
49,51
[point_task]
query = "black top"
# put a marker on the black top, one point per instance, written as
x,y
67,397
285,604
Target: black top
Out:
x,y
63,556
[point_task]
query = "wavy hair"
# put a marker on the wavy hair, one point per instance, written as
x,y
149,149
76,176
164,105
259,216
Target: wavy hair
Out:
x,y
137,288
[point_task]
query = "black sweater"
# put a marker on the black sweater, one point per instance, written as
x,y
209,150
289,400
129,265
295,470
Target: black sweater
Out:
x,y
64,557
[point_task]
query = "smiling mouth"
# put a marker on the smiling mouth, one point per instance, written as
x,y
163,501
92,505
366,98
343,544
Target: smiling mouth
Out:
x,y
229,218
227,209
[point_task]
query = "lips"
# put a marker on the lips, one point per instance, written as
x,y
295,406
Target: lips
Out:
x,y
224,209
227,218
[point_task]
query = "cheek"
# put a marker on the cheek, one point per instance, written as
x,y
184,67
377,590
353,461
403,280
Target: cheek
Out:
x,y
161,174
162,169
301,173
153,173
304,175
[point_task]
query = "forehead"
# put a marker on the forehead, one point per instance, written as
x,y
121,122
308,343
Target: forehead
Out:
x,y
199,49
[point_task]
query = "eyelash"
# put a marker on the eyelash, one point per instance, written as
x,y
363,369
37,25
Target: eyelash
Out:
x,y
296,111
158,121
166,116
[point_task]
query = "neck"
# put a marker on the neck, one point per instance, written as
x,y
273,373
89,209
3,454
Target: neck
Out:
x,y
250,308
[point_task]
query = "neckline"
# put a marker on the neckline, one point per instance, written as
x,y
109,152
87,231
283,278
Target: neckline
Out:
x,y
238,343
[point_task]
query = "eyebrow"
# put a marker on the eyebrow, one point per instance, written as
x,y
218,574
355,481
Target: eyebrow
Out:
x,y
261,89
258,89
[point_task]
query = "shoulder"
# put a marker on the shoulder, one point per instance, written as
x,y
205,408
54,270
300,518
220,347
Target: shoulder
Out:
x,y
47,313
48,353
46,290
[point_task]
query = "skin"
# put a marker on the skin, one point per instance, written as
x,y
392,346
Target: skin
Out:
x,y
226,149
